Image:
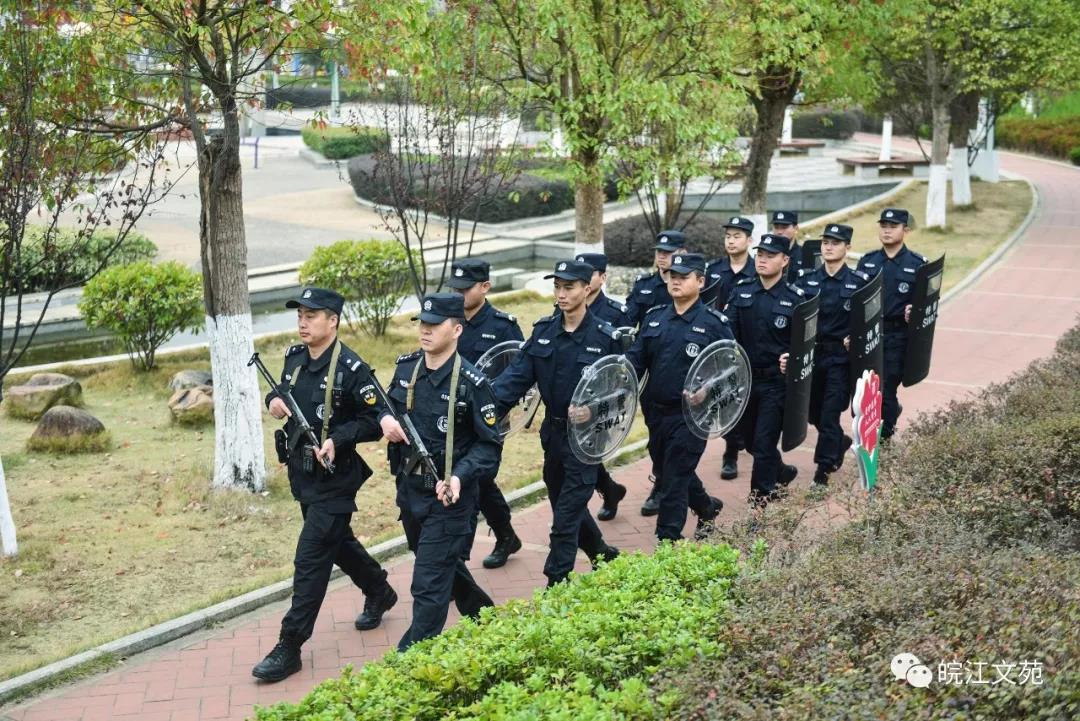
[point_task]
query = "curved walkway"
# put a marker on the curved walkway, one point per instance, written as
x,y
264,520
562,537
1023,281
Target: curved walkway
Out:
x,y
1009,317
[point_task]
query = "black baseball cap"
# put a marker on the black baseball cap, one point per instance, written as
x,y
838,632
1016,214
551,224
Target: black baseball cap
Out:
x,y
437,307
468,272
894,215
670,240
571,270
771,243
785,217
318,299
839,232
597,260
740,223
687,263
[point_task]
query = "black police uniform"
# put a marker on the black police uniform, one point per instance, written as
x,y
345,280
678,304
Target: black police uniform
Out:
x,y
439,535
761,322
899,287
666,346
328,501
720,278
554,359
790,217
612,311
651,289
829,395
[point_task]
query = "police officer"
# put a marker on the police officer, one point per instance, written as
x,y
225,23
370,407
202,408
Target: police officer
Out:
x,y
651,289
610,311
721,276
451,404
333,389
671,338
786,223
834,283
759,311
486,326
561,346
899,266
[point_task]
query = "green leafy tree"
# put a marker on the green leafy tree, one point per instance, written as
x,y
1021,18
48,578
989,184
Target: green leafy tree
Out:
x,y
372,275
144,305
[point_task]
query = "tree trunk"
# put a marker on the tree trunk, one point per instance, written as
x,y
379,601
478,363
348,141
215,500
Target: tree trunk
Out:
x,y
964,115
589,208
939,152
8,545
769,108
239,457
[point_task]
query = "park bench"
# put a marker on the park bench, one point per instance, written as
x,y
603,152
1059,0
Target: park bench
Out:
x,y
868,167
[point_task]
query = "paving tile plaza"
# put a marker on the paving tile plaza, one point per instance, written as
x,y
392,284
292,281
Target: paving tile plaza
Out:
x,y
1011,316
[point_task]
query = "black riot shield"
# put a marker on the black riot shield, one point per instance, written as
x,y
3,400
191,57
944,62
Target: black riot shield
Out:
x,y
924,312
799,373
811,254
866,350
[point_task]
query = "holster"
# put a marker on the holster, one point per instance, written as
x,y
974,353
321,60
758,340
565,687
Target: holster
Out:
x,y
281,445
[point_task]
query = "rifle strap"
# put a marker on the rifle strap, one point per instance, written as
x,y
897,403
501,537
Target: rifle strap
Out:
x,y
455,373
328,407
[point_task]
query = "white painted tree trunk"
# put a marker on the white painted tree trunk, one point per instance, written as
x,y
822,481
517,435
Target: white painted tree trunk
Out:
x,y
761,224
939,157
785,132
886,139
8,544
961,177
935,196
239,457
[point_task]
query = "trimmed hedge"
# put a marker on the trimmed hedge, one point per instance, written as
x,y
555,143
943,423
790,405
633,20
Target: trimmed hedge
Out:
x,y
629,241
831,124
339,143
523,196
971,553
78,257
305,96
1054,137
582,650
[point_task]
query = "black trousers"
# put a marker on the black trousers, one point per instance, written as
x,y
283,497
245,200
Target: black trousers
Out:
x,y
441,541
493,505
605,484
570,484
828,400
763,424
677,453
325,539
894,351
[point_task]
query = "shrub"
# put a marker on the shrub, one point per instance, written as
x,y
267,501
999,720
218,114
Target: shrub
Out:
x,y
1074,155
629,241
832,124
583,649
303,96
144,305
80,257
1055,137
336,143
372,275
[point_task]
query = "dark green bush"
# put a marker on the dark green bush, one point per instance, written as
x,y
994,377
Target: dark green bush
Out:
x,y
583,650
69,258
338,143
629,241
144,305
1074,155
302,96
1055,137
831,124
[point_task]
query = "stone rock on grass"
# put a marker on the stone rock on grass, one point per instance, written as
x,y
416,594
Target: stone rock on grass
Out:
x,y
193,406
40,393
64,429
190,379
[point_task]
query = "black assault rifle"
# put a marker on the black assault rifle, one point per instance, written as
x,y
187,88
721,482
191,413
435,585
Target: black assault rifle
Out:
x,y
285,393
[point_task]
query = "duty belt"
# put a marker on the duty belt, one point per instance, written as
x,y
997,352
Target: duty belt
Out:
x,y
557,422
831,347
667,407
895,324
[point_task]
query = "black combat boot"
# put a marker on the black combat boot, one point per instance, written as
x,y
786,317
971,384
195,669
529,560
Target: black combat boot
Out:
x,y
280,663
730,469
611,502
375,606
651,506
606,553
787,474
706,520
506,543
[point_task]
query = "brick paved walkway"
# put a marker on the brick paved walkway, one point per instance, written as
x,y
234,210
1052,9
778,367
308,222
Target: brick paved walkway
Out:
x,y
1012,316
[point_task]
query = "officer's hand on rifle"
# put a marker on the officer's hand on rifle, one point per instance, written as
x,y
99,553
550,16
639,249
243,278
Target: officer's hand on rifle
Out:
x,y
327,451
393,430
278,409
783,362
448,493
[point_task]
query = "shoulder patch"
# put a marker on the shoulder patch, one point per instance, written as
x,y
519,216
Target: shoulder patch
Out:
x,y
797,290
655,308
294,349
476,377
505,316
862,275
404,358
747,280
609,330
718,314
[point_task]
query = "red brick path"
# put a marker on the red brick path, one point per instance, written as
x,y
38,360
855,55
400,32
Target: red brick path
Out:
x,y
1012,316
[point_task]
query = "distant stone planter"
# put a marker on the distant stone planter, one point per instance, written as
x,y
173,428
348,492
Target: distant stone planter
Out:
x,y
190,379
63,429
193,406
40,393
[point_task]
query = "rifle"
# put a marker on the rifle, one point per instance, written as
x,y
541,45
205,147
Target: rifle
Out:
x,y
285,393
421,456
